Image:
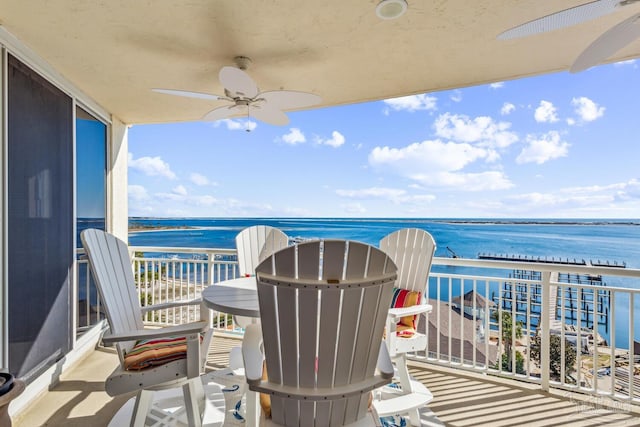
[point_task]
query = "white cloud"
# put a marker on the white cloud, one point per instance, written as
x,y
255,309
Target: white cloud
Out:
x,y
151,166
137,192
204,200
546,113
618,200
496,85
507,108
173,197
180,189
436,163
483,131
373,192
480,181
542,149
199,179
295,136
412,103
394,195
336,140
456,96
586,109
231,124
427,155
354,208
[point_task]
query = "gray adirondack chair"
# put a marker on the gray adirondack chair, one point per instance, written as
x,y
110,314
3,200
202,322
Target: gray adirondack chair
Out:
x,y
323,306
111,267
412,250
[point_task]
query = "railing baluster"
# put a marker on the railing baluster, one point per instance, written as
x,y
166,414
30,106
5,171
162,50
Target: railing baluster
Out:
x,y
563,368
631,349
438,282
449,334
579,336
595,335
612,341
545,339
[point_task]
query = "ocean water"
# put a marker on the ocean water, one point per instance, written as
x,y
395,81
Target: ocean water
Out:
x,y
591,240
596,240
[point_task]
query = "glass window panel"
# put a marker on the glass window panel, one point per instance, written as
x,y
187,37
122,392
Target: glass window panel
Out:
x,y
91,184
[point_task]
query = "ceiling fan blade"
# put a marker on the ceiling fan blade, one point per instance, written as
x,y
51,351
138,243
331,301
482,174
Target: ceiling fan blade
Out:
x,y
188,94
220,113
562,19
608,43
237,82
268,114
289,99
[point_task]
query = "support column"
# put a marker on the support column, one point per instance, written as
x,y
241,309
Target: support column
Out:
x,y
117,178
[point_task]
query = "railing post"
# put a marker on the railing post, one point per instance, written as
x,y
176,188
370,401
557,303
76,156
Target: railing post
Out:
x,y
210,259
545,339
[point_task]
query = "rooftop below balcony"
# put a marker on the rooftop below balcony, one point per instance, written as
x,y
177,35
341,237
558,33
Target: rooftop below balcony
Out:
x,y
461,398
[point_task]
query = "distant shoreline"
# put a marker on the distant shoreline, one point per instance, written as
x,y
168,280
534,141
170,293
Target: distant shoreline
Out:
x,y
138,226
536,222
152,227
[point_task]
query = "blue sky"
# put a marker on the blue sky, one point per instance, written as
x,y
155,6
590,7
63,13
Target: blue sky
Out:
x,y
554,146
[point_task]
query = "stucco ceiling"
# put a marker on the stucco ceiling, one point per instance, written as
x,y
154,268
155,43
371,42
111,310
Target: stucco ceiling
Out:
x,y
117,50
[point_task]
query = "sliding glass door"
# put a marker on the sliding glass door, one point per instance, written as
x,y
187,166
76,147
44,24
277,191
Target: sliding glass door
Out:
x,y
40,221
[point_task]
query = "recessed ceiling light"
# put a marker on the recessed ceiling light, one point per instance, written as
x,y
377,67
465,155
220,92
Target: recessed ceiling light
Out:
x,y
391,9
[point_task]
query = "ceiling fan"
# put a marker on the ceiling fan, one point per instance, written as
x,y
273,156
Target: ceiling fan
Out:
x,y
603,47
245,98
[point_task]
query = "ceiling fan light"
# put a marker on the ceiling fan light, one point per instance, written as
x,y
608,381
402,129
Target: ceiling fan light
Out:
x,y
391,9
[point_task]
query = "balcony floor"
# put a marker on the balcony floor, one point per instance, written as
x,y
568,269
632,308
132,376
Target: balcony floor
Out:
x,y
460,398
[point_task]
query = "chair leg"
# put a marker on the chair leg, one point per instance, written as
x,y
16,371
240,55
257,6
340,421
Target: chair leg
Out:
x,y
403,373
194,403
252,414
407,387
414,418
141,408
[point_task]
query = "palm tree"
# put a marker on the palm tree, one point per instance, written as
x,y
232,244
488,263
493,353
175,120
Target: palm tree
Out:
x,y
507,328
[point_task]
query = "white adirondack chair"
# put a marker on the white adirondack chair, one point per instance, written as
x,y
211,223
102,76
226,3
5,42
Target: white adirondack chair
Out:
x,y
323,306
255,243
412,251
111,267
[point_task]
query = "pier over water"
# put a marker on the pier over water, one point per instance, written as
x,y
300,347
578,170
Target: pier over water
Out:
x,y
550,260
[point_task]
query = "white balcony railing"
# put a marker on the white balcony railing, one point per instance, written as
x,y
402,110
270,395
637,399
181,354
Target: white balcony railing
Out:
x,y
519,314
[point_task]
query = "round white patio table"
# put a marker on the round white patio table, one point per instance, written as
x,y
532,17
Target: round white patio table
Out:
x,y
236,296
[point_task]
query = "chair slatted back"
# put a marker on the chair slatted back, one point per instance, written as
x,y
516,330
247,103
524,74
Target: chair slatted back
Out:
x,y
255,244
323,306
112,271
412,251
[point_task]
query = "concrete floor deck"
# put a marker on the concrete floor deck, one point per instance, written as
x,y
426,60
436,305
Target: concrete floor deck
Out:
x,y
460,398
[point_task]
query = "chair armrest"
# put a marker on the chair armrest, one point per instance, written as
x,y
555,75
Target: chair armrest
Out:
x,y
384,362
320,394
397,313
178,330
252,353
172,304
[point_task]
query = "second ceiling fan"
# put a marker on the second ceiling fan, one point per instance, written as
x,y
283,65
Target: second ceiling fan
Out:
x,y
600,49
245,99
